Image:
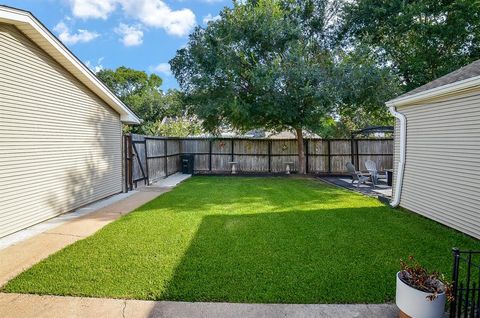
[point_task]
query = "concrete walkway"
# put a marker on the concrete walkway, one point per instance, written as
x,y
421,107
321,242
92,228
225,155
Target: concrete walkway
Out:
x,y
19,305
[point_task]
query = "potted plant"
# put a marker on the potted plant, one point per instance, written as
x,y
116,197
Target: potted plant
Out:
x,y
421,293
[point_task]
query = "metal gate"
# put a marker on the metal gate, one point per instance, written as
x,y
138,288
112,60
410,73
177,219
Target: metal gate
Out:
x,y
466,284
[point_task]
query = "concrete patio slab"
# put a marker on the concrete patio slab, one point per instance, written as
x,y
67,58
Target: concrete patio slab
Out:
x,y
380,190
171,181
19,305
219,310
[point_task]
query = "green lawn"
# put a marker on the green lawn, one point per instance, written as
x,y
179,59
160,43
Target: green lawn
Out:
x,y
275,240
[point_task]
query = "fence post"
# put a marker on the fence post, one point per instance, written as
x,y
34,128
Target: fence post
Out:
x,y
352,151
233,152
179,154
165,151
329,156
125,162
270,155
306,154
467,293
358,155
146,162
210,155
128,163
453,303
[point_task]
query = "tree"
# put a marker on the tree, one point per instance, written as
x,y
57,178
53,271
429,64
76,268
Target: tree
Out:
x,y
178,127
138,90
263,64
420,39
363,86
178,120
162,113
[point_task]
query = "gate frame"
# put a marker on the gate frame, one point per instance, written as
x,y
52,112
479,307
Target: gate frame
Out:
x,y
466,302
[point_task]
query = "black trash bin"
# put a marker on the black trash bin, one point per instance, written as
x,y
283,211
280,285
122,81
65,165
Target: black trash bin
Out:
x,y
187,163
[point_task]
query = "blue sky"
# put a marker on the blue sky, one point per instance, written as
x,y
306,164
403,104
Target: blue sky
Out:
x,y
141,34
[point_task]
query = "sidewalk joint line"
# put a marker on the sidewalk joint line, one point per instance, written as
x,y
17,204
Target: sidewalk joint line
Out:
x,y
124,307
55,233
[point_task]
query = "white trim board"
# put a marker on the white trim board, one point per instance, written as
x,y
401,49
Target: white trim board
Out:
x,y
441,91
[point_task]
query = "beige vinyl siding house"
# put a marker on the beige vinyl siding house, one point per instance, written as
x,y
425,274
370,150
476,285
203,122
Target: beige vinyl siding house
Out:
x,y
442,150
60,141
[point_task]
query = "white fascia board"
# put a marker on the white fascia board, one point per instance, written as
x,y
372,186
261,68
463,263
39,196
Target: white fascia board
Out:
x,y
23,19
444,90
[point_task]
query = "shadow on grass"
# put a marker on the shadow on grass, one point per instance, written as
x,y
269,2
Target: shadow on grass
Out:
x,y
332,256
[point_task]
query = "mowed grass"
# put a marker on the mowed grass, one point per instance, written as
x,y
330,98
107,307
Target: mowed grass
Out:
x,y
239,239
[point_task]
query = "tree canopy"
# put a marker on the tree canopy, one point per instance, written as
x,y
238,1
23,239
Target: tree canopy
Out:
x,y
143,94
362,86
263,64
420,39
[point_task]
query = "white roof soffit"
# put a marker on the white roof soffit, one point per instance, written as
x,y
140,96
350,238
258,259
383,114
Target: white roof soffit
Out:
x,y
40,35
440,91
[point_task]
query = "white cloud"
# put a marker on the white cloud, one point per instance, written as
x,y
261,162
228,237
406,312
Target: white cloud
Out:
x,y
163,68
97,67
153,13
131,35
209,18
98,9
65,35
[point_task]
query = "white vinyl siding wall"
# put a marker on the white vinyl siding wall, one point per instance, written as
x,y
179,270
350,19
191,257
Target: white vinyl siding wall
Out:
x,y
60,145
442,170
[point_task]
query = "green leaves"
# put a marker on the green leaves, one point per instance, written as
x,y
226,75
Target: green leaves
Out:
x,y
256,67
362,88
422,39
143,94
273,64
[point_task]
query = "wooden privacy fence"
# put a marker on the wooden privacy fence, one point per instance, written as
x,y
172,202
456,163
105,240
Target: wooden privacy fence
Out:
x,y
157,157
271,155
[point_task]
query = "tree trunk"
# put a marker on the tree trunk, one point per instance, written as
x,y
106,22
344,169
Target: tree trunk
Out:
x,y
301,151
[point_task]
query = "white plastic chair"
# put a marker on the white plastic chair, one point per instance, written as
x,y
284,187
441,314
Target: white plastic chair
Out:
x,y
372,169
356,175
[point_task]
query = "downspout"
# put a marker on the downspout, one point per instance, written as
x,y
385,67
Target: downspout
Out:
x,y
401,162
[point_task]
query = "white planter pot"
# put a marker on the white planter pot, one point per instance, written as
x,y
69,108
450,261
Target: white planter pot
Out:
x,y
415,303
